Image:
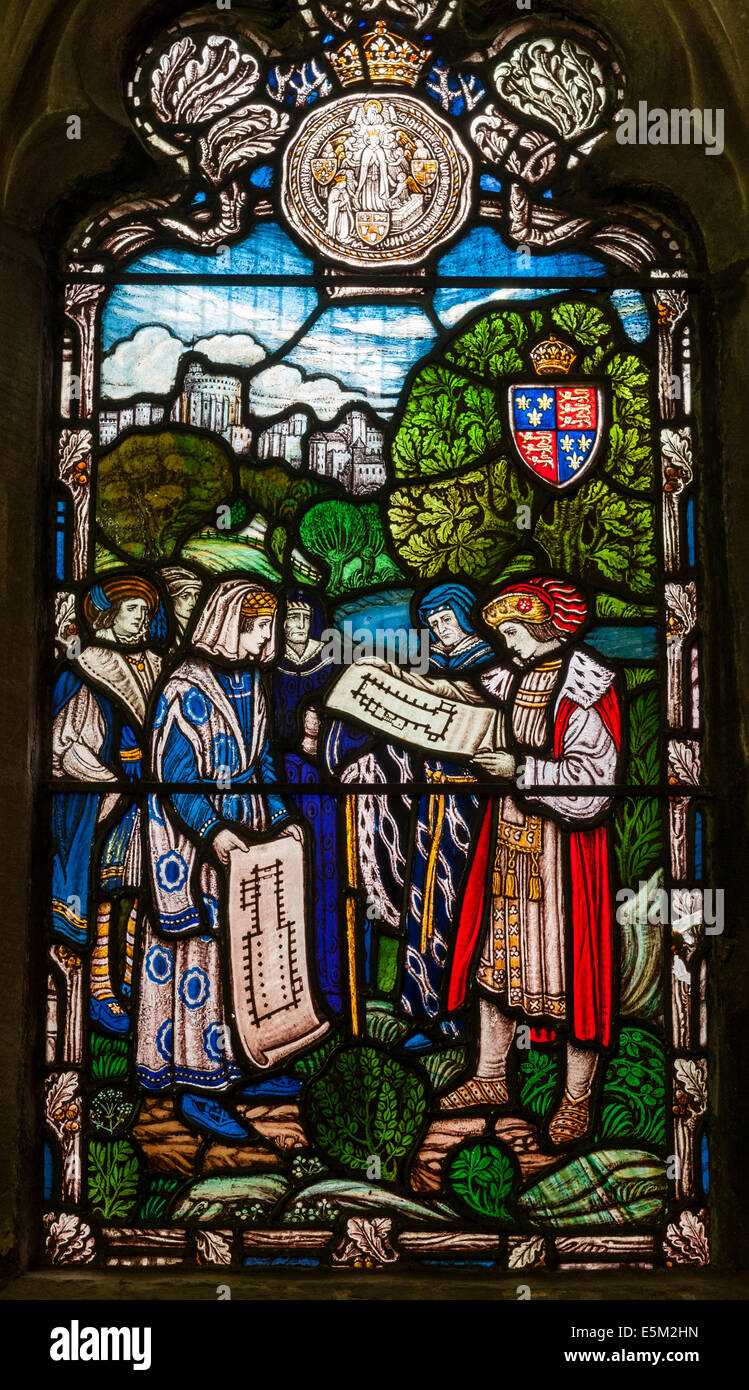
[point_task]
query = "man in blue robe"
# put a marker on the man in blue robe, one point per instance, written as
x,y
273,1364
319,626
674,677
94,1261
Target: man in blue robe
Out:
x,y
100,703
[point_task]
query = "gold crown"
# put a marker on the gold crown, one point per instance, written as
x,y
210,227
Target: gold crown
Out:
x,y
552,357
386,57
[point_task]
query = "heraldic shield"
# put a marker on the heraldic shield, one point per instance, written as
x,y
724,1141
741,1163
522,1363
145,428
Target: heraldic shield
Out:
x,y
557,429
556,426
372,226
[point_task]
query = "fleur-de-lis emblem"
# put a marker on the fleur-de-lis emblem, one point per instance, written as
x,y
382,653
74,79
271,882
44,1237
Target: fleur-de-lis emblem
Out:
x,y
557,428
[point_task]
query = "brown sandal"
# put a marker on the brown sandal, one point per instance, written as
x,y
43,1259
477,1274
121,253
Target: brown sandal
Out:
x,y
571,1121
480,1090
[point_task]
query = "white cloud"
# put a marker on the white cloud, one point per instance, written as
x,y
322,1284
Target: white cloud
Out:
x,y
147,363
270,313
239,348
277,388
451,306
370,352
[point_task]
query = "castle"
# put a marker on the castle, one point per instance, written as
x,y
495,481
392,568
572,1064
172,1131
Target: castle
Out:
x,y
352,453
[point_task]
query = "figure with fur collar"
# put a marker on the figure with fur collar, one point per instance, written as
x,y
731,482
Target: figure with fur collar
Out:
x,y
100,704
536,921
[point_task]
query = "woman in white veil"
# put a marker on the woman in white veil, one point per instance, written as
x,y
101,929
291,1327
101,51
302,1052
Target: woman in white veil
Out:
x,y
210,746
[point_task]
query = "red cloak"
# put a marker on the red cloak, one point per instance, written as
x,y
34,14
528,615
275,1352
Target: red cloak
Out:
x,y
591,908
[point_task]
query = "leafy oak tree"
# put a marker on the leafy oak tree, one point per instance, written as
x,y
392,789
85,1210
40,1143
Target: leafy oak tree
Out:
x,y
154,489
465,503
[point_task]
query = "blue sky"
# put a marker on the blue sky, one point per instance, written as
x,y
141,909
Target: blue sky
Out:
x,y
353,351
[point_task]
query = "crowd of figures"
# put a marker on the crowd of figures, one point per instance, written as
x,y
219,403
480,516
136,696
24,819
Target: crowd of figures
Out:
x,y
206,699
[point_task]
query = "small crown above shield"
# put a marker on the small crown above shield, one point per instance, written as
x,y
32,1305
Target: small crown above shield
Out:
x,y
552,357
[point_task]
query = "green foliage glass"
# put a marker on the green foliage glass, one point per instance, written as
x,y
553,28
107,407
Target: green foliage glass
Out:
x,y
538,1079
458,508
638,822
349,537
154,489
108,1057
634,1090
484,1178
365,1105
112,1178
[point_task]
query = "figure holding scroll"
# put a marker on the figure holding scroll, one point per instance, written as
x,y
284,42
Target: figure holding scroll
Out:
x,y
536,922
211,731
442,825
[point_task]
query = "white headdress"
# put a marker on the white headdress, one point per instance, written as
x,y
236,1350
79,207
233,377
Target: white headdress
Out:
x,y
218,627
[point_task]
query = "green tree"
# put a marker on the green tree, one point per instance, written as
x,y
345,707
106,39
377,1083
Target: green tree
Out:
x,y
465,502
348,536
154,489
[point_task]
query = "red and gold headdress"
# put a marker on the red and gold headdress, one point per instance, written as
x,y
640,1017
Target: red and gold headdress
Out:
x,y
536,601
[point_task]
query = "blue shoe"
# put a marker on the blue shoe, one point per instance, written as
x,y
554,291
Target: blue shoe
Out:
x,y
213,1119
112,1020
285,1086
418,1042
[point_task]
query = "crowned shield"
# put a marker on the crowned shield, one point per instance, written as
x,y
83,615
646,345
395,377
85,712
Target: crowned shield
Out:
x,y
557,429
323,169
373,226
424,172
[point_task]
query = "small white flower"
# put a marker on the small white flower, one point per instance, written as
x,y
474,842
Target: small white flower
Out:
x,y
544,402
567,444
584,443
522,403
534,418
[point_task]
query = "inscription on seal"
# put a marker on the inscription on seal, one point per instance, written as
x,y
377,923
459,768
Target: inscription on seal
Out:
x,y
371,180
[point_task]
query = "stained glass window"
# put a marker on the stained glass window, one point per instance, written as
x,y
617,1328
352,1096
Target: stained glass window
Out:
x,y
377,919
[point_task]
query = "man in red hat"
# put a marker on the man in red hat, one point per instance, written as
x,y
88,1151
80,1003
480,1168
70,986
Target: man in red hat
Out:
x,y
536,922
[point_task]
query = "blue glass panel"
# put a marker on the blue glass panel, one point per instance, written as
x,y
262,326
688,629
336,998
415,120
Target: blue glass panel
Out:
x,y
451,306
368,350
638,642
484,252
633,312
266,251
263,176
48,1173
690,530
698,845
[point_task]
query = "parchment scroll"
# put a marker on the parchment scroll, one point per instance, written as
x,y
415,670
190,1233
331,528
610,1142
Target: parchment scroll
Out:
x,y
435,715
274,1010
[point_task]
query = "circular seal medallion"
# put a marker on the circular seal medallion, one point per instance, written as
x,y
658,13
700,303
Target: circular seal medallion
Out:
x,y
373,179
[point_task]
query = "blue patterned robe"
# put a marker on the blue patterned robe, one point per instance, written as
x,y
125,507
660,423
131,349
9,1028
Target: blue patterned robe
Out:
x,y
210,724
